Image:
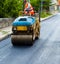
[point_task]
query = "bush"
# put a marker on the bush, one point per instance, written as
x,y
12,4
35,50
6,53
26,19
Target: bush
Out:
x,y
10,8
45,14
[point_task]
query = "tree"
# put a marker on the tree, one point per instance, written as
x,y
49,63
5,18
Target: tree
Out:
x,y
36,4
46,4
10,8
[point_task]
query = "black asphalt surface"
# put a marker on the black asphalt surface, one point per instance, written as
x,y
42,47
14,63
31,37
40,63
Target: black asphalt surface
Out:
x,y
46,50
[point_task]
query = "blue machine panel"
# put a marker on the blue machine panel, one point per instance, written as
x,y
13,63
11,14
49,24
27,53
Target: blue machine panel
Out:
x,y
24,21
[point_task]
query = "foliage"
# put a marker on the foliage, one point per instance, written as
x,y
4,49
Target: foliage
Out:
x,y
35,4
45,4
10,8
45,14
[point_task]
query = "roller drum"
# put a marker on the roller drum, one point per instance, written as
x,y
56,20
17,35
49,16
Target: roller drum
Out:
x,y
22,39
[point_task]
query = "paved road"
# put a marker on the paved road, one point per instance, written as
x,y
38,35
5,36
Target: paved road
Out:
x,y
46,50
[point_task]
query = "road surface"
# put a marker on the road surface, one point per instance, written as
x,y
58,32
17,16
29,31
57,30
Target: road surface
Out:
x,y
46,50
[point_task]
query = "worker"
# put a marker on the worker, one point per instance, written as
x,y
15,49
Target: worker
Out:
x,y
28,9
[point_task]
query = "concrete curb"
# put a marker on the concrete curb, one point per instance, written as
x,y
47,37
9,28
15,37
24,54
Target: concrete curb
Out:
x,y
47,17
7,35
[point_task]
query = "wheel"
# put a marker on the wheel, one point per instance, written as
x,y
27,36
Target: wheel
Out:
x,y
13,40
22,40
13,43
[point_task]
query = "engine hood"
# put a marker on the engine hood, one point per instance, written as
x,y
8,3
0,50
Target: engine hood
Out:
x,y
24,21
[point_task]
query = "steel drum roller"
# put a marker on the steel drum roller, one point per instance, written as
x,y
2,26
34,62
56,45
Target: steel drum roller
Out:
x,y
21,39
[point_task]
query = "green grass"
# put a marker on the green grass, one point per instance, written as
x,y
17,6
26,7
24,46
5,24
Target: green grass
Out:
x,y
45,14
3,32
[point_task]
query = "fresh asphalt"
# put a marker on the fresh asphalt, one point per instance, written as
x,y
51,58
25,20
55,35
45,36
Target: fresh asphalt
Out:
x,y
46,50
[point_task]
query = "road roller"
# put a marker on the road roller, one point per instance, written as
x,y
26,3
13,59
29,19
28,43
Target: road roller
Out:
x,y
25,29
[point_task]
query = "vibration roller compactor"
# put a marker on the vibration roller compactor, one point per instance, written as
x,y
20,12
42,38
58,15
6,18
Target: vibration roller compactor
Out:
x,y
25,29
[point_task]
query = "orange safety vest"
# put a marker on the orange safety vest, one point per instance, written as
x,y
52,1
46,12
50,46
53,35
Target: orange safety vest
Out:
x,y
28,9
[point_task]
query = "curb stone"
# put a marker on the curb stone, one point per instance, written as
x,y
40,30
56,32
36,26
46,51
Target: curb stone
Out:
x,y
47,17
5,36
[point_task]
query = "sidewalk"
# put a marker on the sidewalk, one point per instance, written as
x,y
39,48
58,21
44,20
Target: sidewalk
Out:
x,y
5,32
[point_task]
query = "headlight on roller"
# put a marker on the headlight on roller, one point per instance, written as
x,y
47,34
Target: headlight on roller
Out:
x,y
30,28
14,28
